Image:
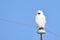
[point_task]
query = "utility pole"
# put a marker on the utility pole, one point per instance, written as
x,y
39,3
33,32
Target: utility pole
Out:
x,y
41,32
41,37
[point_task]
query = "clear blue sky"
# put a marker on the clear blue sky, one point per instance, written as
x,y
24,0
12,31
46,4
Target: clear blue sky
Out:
x,y
25,11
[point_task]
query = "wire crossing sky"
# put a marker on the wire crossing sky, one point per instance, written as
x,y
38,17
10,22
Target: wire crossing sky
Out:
x,y
28,25
25,11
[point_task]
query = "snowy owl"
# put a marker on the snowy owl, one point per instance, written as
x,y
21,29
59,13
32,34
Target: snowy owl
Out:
x,y
40,20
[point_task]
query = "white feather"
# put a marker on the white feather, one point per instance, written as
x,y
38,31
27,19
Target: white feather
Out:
x,y
40,19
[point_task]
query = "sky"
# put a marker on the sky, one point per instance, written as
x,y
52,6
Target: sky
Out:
x,y
24,11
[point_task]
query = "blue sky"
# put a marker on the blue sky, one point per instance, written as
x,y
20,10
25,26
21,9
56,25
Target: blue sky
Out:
x,y
25,11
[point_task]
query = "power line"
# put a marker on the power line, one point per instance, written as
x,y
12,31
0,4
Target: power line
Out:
x,y
13,21
53,33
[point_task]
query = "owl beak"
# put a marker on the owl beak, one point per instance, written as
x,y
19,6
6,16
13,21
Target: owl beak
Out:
x,y
39,13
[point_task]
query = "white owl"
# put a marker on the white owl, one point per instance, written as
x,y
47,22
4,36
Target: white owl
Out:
x,y
40,20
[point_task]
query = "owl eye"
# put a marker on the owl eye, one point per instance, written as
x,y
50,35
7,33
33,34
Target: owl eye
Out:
x,y
39,13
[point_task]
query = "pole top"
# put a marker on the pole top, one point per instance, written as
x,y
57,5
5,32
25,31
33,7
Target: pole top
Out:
x,y
42,31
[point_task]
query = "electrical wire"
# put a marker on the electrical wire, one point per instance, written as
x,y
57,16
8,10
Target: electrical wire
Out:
x,y
13,21
53,33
